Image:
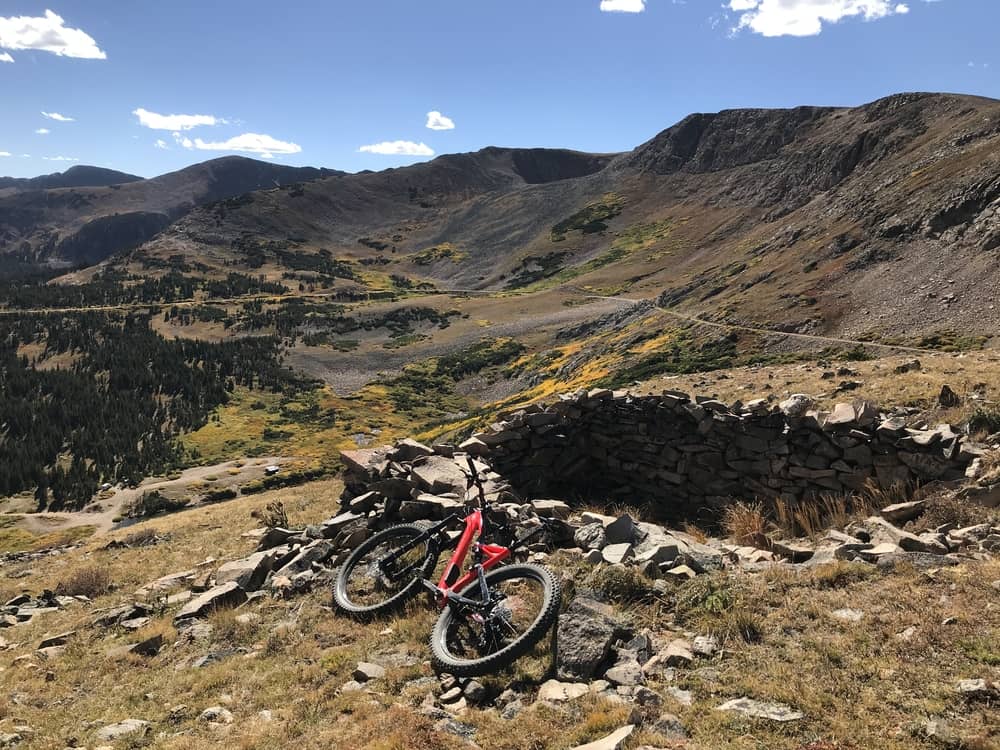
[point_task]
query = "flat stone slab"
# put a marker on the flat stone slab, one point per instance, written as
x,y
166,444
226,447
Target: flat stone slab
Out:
x,y
227,595
555,691
614,741
762,710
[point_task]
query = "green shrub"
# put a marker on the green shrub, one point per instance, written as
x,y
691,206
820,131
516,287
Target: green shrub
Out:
x,y
151,503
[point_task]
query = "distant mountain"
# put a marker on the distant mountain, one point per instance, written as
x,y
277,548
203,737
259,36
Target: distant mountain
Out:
x,y
879,218
72,225
78,176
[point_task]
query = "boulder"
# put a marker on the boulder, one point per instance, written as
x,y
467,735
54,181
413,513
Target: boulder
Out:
x,y
551,508
796,405
617,553
590,536
623,530
409,449
626,670
226,595
584,636
249,572
438,475
316,552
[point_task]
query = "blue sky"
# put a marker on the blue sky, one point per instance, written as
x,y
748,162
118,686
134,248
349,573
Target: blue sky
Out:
x,y
316,82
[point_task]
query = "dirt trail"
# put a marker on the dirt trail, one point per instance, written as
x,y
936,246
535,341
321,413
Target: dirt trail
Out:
x,y
107,509
768,331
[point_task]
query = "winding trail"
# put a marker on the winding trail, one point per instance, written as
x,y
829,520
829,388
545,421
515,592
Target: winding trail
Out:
x,y
768,331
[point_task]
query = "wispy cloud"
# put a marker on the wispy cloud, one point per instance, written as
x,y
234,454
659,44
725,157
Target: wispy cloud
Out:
x,y
43,131
160,143
248,143
398,148
60,158
5,57
156,121
58,117
48,33
623,6
806,17
437,121
5,153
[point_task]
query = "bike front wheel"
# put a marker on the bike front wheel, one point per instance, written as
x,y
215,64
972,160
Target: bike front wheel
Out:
x,y
385,571
522,604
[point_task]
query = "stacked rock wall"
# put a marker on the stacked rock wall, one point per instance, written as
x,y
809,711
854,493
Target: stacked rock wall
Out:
x,y
682,456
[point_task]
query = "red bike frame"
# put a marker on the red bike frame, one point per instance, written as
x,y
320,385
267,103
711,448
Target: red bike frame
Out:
x,y
494,555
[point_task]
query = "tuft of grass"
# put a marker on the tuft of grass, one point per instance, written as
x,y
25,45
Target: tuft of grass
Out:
x,y
840,573
91,581
745,523
620,584
273,515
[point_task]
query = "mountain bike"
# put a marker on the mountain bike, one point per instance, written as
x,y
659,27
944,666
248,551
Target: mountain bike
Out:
x,y
490,615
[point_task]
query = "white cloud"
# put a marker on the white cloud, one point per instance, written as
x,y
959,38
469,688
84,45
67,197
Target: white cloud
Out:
x,y
5,57
160,143
623,6
48,33
58,117
437,121
5,153
156,121
806,17
398,148
60,158
250,143
43,131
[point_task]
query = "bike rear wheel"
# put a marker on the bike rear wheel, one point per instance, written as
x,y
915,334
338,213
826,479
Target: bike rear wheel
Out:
x,y
522,605
367,585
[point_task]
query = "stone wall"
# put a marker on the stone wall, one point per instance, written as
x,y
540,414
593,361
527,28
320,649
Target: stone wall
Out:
x,y
683,456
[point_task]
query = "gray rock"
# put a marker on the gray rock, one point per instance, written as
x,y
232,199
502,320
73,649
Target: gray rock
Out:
x,y
617,553
475,691
626,671
409,449
316,552
125,728
584,634
437,474
762,710
978,688
554,691
796,405
216,715
623,531
227,595
705,646
677,654
366,671
903,512
590,536
669,726
613,741
551,508
249,573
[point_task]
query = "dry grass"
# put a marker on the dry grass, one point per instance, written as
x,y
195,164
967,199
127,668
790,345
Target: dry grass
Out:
x,y
745,523
273,516
811,517
91,581
857,683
